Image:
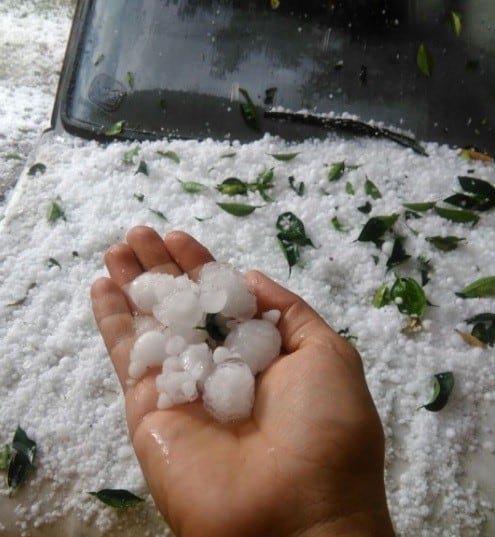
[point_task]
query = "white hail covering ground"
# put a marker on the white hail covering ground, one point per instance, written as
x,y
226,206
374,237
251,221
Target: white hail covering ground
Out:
x,y
57,382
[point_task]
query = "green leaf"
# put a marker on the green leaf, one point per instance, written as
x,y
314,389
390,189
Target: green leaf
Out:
x,y
459,216
263,182
139,197
5,457
232,186
349,188
338,226
482,288
283,156
382,296
455,19
117,498
99,59
52,262
55,212
130,79
12,156
36,168
228,155
290,250
299,189
366,208
443,384
478,187
445,244
237,209
469,202
376,226
21,464
129,155
292,229
336,171
398,255
23,444
424,267
192,187
484,327
409,297
142,168
371,190
249,112
115,129
420,206
424,60
159,214
172,155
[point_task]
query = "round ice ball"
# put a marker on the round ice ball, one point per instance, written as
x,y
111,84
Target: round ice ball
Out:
x,y
256,341
146,289
225,290
197,361
149,351
179,386
146,323
180,308
229,391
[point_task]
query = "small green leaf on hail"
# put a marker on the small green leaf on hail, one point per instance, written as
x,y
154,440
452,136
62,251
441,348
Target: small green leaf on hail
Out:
x,y
376,226
371,190
336,171
382,296
142,168
420,206
248,111
455,19
139,197
159,214
237,209
99,59
54,212
338,226
130,79
459,216
230,154
443,384
366,208
117,498
478,187
130,154
232,186
409,297
192,187
398,255
424,60
292,229
484,327
52,262
21,463
445,244
482,288
115,129
349,188
299,189
172,155
4,457
283,156
23,444
36,168
290,250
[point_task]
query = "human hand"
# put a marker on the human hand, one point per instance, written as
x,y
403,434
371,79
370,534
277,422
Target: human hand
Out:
x,y
308,462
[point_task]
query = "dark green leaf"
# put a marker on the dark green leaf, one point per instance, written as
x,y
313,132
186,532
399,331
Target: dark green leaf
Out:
x,y
12,156
382,296
371,190
482,288
398,255
248,111
484,327
346,334
172,155
270,96
291,251
337,225
142,168
115,129
20,468
412,214
478,187
232,186
299,189
118,498
159,214
23,444
421,206
55,212
455,19
424,267
4,457
99,59
265,179
38,167
482,318
409,297
213,328
366,208
129,155
458,216
292,229
237,209
443,384
424,60
130,79
192,187
336,171
52,262
139,197
349,188
283,156
446,244
376,226
228,155
469,202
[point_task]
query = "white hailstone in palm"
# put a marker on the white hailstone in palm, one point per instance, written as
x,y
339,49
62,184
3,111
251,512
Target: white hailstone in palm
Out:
x,y
224,290
256,341
146,323
197,361
175,344
180,308
222,354
149,351
272,315
179,386
229,391
143,289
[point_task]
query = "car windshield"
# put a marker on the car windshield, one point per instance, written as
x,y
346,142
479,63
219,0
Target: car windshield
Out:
x,y
197,69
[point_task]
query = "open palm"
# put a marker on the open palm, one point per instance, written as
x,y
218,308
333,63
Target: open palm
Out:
x,y
308,461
